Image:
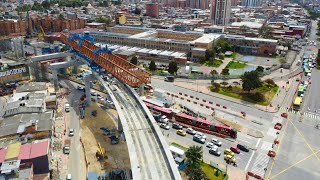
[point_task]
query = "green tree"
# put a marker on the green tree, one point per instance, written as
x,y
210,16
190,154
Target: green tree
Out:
x,y
173,67
134,60
37,7
266,32
213,72
102,19
250,81
46,4
193,158
223,46
244,28
225,71
210,54
260,69
152,66
221,56
103,3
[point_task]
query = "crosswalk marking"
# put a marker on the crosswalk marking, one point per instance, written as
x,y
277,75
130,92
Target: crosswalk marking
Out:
x,y
311,115
260,163
272,132
266,146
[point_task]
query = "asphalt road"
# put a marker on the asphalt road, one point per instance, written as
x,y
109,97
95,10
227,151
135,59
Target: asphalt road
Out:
x,y
243,159
76,164
251,111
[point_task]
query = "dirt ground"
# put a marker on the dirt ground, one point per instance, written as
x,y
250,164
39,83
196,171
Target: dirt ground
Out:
x,y
118,156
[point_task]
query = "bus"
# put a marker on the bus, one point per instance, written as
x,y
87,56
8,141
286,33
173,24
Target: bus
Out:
x,y
297,103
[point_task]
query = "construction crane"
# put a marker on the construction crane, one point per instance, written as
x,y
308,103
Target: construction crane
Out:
x,y
41,34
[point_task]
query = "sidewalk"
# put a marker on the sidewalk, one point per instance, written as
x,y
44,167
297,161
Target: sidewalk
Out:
x,y
223,65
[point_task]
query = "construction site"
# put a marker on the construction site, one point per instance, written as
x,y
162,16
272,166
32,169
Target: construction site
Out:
x,y
104,150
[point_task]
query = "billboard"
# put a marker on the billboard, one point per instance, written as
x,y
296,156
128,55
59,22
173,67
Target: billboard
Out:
x,y
15,74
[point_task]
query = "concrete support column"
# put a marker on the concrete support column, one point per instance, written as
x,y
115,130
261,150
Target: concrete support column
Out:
x,y
35,51
75,68
141,90
120,128
88,93
36,71
55,79
15,49
22,49
44,72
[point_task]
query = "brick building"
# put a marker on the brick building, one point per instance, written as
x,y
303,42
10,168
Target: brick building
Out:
x,y
48,23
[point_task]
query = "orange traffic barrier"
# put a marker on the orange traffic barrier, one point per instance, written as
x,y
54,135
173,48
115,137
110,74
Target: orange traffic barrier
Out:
x,y
197,98
207,107
201,104
224,107
180,93
188,100
218,105
210,102
195,102
204,100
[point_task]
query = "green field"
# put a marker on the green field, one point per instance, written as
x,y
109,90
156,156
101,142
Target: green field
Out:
x,y
211,172
235,65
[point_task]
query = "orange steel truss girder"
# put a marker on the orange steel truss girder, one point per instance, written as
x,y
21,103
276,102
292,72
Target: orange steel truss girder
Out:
x,y
117,66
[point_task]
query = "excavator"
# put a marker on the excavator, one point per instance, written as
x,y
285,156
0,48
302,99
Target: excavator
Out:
x,y
101,153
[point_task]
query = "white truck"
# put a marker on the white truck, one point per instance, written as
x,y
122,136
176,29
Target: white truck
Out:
x,y
67,107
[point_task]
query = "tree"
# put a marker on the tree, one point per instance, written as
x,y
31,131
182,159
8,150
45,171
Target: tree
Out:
x,y
102,19
244,28
152,66
173,67
210,54
269,81
224,83
61,17
213,72
266,32
250,81
223,46
46,4
134,60
193,158
225,71
260,69
103,3
221,56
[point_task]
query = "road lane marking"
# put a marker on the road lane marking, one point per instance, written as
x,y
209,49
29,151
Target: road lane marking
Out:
x,y
291,166
252,155
284,132
304,140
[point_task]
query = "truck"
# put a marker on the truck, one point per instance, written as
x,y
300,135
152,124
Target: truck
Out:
x,y
67,107
66,147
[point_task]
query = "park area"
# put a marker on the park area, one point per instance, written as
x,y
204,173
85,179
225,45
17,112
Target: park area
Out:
x,y
91,135
262,95
235,65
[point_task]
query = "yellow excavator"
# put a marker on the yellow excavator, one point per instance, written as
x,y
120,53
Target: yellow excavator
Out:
x,y
101,153
41,34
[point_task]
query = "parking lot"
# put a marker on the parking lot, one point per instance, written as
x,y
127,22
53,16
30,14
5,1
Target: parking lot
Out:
x,y
242,159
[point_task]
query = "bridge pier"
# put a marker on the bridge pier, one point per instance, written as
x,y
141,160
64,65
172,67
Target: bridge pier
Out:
x,y
87,87
55,79
141,90
44,72
36,72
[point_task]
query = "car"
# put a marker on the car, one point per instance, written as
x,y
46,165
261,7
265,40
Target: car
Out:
x,y
176,126
228,152
215,151
181,132
71,132
191,131
81,88
93,93
211,145
164,120
165,126
243,147
235,149
202,135
301,95
229,158
216,142
199,139
67,107
109,102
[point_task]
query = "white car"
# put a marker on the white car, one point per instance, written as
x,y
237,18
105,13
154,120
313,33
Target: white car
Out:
x,y
165,126
216,142
191,131
93,93
80,88
202,135
71,132
211,145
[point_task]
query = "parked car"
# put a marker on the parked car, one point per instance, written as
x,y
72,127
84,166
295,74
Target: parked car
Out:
x,y
81,88
181,132
165,126
71,132
176,126
202,135
93,93
229,158
243,147
211,145
216,142
199,139
235,149
215,151
191,131
228,152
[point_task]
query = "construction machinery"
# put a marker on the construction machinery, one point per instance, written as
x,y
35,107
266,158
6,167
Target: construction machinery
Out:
x,y
101,153
41,34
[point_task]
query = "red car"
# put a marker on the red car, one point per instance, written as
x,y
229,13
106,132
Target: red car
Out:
x,y
235,149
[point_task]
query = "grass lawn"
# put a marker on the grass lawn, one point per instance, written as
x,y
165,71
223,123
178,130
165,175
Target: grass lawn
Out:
x,y
235,65
233,55
236,92
210,171
215,63
179,146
